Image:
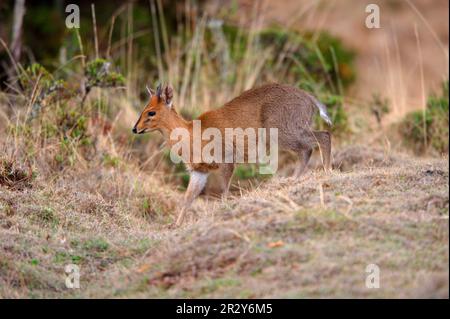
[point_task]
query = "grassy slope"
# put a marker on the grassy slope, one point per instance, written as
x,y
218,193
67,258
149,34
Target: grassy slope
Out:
x,y
282,239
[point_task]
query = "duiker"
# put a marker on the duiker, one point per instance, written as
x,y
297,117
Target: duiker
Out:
x,y
286,108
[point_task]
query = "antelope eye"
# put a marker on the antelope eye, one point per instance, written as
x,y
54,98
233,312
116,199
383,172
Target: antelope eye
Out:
x,y
151,113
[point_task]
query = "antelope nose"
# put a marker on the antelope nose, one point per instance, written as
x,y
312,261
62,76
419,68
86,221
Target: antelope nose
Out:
x,y
134,130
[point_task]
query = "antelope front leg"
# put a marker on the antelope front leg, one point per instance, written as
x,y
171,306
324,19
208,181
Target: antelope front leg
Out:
x,y
197,182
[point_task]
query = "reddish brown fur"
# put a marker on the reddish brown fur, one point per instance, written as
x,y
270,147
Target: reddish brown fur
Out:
x,y
279,106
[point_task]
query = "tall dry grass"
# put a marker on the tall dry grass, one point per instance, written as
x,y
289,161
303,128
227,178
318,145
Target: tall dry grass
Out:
x,y
202,79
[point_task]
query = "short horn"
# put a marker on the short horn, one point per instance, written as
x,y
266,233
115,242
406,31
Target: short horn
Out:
x,y
149,91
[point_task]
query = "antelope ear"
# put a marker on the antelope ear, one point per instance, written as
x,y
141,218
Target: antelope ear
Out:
x,y
158,91
168,92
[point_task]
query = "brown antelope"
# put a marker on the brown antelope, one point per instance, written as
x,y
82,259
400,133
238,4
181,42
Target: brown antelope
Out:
x,y
288,109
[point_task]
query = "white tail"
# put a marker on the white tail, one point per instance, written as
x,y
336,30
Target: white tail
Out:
x,y
322,110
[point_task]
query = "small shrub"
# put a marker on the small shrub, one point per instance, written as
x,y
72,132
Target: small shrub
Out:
x,y
40,86
379,107
98,74
34,74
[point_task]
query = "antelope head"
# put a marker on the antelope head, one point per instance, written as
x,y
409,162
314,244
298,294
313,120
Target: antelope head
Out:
x,y
158,113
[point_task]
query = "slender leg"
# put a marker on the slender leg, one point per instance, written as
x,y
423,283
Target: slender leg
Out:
x,y
226,174
324,140
305,155
196,184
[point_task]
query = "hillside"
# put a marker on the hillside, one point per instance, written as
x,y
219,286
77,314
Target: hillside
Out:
x,y
304,238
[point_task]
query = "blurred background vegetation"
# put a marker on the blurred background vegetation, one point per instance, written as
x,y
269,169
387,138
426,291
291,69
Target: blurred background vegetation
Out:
x,y
70,96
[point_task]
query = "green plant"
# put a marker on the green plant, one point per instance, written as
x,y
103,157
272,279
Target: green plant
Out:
x,y
34,262
98,245
246,171
71,129
62,257
427,130
41,87
98,74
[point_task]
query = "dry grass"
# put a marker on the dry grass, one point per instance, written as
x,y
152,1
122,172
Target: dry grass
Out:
x,y
14,177
108,211
285,238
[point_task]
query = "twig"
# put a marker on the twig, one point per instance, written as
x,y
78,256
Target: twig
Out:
x,y
94,23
